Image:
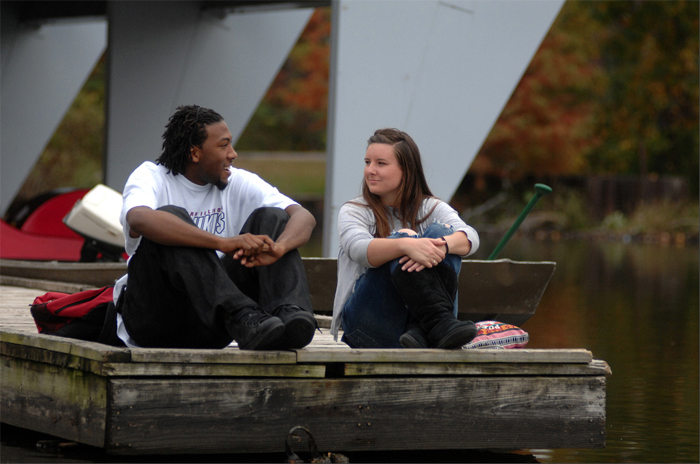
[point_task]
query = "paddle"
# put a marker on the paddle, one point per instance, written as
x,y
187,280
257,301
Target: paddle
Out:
x,y
540,190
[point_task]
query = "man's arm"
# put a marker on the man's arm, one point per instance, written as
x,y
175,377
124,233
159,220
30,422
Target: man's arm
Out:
x,y
167,229
298,230
296,233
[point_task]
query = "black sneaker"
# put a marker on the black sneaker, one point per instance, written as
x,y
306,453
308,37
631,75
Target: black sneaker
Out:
x,y
299,326
257,330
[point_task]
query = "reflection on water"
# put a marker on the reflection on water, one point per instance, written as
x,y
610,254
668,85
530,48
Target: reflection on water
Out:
x,y
636,307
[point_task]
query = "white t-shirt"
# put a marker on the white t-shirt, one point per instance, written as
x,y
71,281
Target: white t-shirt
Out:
x,y
221,212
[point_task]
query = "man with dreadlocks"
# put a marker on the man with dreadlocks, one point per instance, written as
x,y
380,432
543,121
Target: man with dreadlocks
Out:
x,y
212,248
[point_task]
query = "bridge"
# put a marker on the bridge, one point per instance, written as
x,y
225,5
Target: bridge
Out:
x,y
441,70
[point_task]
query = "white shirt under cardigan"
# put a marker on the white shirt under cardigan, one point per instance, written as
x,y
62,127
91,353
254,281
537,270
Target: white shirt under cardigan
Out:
x,y
220,212
356,227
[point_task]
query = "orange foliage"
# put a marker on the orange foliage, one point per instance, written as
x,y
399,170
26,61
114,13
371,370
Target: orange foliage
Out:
x,y
651,55
302,82
546,128
612,89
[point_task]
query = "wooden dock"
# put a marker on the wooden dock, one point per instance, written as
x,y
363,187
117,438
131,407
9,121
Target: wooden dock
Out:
x,y
174,401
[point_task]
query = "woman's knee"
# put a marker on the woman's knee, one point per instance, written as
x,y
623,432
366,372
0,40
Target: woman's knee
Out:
x,y
438,229
401,233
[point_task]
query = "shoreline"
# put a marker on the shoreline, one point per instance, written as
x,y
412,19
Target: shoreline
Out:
x,y
679,239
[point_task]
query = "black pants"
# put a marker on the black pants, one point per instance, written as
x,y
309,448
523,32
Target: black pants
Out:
x,y
185,297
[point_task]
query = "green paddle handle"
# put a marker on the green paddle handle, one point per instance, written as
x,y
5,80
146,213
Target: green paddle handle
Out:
x,y
540,190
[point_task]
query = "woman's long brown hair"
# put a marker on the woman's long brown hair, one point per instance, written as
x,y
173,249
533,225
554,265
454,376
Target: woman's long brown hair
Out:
x,y
412,190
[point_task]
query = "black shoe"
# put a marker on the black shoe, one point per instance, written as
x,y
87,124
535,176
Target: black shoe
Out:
x,y
429,296
453,333
256,330
414,338
299,326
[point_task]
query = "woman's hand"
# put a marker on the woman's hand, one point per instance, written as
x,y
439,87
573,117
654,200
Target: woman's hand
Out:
x,y
422,253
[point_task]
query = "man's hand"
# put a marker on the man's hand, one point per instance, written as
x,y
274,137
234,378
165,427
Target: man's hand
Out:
x,y
265,258
296,233
251,250
243,247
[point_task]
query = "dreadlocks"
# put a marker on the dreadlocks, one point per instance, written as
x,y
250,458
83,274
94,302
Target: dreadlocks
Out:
x,y
185,129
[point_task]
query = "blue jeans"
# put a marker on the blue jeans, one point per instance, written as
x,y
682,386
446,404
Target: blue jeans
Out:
x,y
375,315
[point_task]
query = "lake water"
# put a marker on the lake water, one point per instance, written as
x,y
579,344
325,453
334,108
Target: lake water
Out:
x,y
632,305
636,307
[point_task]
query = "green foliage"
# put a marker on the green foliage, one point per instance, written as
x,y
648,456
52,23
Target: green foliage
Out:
x,y
612,89
655,218
648,121
548,126
566,210
292,115
615,221
572,205
73,156
666,216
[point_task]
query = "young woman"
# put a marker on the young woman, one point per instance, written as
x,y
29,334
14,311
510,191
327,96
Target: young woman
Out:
x,y
400,255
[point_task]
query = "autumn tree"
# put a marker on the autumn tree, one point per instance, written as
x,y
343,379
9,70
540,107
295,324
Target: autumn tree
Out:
x,y
649,113
292,115
612,89
548,126
73,156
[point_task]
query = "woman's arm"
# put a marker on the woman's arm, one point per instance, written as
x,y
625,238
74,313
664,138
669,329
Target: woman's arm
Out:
x,y
425,252
458,240
461,244
457,243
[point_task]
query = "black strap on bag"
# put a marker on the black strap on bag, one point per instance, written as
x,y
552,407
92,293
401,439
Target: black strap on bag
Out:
x,y
108,335
89,315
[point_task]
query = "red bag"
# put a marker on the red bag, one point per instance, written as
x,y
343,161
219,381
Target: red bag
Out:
x,y
79,315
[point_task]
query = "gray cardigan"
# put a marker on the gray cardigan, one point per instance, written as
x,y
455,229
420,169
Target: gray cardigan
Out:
x,y
356,227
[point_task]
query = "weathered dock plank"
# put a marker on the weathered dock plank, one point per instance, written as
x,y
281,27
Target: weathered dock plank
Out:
x,y
68,403
14,308
472,368
173,401
55,358
213,370
83,349
357,414
227,355
440,356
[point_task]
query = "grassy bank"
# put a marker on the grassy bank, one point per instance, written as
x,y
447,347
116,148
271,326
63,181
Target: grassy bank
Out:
x,y
299,175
